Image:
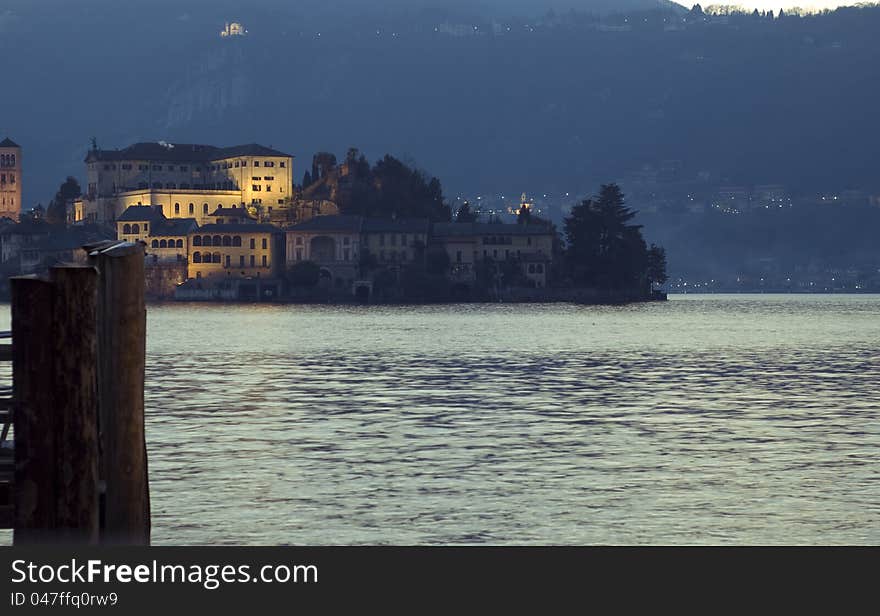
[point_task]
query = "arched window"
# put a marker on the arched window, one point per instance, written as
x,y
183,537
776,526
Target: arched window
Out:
x,y
197,257
191,208
155,244
197,240
135,229
227,241
205,208
218,241
206,240
219,206
236,241
216,257
163,244
180,243
177,208
126,229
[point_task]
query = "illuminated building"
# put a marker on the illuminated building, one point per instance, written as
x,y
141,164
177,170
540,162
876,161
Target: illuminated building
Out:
x,y
187,181
10,179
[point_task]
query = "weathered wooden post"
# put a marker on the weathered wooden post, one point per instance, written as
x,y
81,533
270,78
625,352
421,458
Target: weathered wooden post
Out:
x,y
122,324
55,403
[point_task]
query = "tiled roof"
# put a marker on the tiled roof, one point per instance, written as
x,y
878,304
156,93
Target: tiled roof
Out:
x,y
236,228
330,224
396,225
232,212
174,227
8,143
181,152
141,213
484,228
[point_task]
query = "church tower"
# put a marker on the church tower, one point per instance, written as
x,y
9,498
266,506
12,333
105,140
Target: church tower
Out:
x,y
10,179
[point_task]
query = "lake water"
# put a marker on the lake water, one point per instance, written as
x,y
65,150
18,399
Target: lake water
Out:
x,y
706,419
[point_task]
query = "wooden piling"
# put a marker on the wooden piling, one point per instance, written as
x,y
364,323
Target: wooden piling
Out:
x,y
55,406
34,491
121,369
75,397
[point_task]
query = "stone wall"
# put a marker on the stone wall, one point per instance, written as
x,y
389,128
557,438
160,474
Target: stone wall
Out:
x,y
163,278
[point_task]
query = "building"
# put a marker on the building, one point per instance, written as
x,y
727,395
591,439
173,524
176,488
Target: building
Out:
x,y
240,250
470,244
233,29
169,240
395,241
332,242
10,179
186,180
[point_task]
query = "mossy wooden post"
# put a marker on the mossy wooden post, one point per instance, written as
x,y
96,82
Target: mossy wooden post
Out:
x,y
55,405
122,326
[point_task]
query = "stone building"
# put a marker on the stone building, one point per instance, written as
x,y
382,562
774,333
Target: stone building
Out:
x,y
468,244
10,179
186,180
240,250
332,242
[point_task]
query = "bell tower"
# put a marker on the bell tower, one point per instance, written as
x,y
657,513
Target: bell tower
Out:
x,y
10,179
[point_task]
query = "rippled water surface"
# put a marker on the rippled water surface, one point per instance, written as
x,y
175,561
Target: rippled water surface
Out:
x,y
706,419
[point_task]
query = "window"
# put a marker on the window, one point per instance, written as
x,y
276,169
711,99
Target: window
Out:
x,y
346,253
206,240
256,188
539,268
269,163
529,241
126,229
177,208
236,241
299,241
191,208
197,241
135,229
236,164
164,244
282,164
216,257
257,178
205,208
458,257
269,178
184,168
227,241
532,268
299,254
228,258
265,243
265,261
155,244
241,261
197,257
253,261
253,243
217,240
256,163
268,188
179,243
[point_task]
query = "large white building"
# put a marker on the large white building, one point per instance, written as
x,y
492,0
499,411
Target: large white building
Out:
x,y
187,180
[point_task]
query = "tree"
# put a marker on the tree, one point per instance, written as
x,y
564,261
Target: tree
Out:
x,y
604,249
438,261
307,179
465,214
657,265
56,213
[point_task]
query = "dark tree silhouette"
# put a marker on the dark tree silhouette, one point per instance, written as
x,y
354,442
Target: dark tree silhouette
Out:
x,y
604,249
657,265
465,213
56,213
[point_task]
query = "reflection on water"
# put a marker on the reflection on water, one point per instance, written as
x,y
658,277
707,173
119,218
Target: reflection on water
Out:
x,y
727,419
